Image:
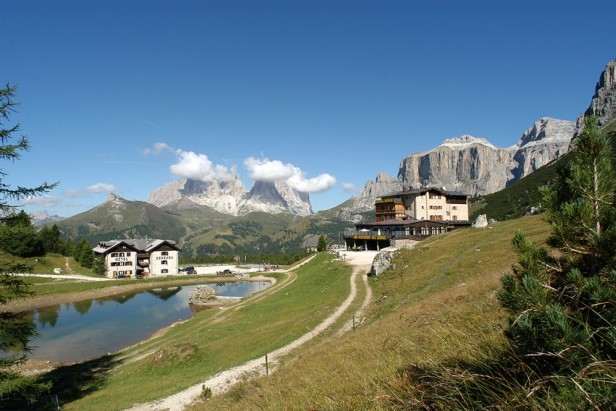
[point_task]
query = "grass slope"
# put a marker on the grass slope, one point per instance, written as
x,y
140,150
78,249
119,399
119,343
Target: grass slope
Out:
x,y
437,303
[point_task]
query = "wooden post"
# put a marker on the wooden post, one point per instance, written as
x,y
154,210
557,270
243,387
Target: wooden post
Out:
x,y
353,323
266,366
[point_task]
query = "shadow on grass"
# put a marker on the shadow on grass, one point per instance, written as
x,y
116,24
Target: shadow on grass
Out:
x,y
73,382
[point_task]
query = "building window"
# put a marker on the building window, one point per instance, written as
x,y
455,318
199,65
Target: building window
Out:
x,y
164,262
164,253
164,271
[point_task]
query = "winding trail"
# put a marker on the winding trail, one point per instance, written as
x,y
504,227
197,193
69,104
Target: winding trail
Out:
x,y
222,381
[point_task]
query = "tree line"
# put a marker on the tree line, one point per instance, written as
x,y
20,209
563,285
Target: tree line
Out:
x,y
20,238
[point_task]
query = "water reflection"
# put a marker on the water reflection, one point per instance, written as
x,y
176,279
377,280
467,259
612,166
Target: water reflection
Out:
x,y
91,328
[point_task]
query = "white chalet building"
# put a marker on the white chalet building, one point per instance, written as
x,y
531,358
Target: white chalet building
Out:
x,y
143,257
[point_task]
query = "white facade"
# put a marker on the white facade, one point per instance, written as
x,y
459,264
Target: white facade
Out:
x,y
435,206
164,262
141,257
121,264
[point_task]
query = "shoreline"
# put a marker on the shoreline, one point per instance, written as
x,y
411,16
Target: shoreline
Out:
x,y
41,301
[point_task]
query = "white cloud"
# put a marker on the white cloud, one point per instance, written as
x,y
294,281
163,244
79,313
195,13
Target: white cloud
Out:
x,y
350,188
317,184
101,188
158,148
198,167
71,193
263,169
45,201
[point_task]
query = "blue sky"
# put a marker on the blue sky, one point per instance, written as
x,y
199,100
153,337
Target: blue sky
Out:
x,y
126,96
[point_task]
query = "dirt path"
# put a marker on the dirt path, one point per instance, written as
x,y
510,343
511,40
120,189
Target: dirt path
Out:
x,y
221,382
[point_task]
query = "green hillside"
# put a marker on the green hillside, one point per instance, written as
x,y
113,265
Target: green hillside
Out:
x,y
203,232
129,219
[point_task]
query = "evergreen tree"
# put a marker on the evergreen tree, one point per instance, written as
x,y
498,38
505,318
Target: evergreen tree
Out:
x,y
98,266
18,237
322,244
83,253
51,239
15,332
562,299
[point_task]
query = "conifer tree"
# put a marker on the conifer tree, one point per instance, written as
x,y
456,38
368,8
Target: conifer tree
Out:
x,y
562,299
14,331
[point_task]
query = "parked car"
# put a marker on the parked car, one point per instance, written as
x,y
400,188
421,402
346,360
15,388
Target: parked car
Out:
x,y
226,271
188,270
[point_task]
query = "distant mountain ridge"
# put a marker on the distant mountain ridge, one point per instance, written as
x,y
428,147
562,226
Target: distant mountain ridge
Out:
x,y
231,197
473,165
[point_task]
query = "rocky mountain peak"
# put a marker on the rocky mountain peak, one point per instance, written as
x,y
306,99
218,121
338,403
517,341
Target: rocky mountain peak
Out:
x,y
466,140
231,197
603,103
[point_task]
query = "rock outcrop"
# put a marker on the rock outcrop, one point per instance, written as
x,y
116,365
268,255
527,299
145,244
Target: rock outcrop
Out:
x,y
603,103
202,295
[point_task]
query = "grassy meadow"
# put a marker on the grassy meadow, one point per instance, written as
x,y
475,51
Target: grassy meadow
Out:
x,y
436,305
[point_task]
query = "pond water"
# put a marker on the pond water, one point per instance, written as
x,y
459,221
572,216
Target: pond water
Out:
x,y
92,328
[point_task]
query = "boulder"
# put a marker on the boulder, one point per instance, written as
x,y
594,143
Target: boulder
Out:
x,y
481,222
383,261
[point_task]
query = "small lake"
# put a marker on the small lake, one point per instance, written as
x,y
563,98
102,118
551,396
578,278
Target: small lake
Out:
x,y
92,328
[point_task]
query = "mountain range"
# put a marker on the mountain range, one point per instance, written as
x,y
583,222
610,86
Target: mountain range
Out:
x,y
225,217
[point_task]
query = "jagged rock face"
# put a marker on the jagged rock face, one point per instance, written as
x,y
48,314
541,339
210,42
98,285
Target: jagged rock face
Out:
x,y
603,104
230,197
225,196
466,164
383,184
545,141
297,202
474,166
274,198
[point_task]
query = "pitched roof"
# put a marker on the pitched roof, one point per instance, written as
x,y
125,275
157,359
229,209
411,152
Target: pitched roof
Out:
x,y
138,244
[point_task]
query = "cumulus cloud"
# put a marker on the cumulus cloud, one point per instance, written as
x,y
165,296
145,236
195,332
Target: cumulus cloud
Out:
x,y
199,167
350,188
45,201
263,169
71,193
316,184
157,149
101,188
